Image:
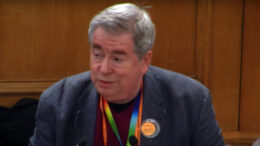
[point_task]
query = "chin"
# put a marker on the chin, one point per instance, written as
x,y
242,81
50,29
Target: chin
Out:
x,y
104,93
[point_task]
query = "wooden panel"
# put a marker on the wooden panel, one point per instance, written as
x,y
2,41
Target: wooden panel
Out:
x,y
218,56
176,35
250,93
47,40
42,40
226,62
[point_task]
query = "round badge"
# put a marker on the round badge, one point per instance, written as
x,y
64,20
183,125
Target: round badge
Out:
x,y
150,128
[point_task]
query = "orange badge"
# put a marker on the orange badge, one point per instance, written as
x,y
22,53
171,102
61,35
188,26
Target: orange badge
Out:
x,y
150,128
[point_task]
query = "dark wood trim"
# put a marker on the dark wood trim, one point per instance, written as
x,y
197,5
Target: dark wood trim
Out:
x,y
240,138
23,87
204,41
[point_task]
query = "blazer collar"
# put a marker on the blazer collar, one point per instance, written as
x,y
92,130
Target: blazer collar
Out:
x,y
87,116
153,108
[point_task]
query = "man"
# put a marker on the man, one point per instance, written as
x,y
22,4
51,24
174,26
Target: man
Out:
x,y
123,100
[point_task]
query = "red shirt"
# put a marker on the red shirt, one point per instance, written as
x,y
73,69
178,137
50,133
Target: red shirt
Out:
x,y
122,114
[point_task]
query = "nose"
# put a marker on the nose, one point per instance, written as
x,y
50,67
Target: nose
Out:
x,y
105,67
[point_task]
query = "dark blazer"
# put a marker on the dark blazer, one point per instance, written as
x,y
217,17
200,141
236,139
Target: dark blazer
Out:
x,y
182,106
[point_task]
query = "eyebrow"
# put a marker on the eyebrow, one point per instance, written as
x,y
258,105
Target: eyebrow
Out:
x,y
95,46
119,52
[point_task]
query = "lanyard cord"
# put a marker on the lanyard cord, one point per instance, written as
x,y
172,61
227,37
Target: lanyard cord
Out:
x,y
135,122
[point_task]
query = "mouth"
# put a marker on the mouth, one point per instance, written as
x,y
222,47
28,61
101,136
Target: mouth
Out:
x,y
104,83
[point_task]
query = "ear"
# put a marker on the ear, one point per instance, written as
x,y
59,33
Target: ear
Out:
x,y
146,61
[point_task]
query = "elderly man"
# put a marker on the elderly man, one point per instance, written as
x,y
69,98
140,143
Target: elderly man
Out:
x,y
123,100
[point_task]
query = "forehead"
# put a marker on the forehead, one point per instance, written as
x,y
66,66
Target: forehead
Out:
x,y
103,37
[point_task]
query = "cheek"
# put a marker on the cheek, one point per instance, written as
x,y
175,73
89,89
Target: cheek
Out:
x,y
93,66
92,76
93,71
130,77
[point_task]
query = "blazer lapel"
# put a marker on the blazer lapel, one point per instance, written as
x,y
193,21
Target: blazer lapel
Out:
x,y
87,117
153,108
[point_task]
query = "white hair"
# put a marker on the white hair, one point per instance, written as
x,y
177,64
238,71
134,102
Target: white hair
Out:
x,y
126,17
257,142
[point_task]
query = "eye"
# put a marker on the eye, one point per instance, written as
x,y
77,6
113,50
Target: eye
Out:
x,y
117,59
97,55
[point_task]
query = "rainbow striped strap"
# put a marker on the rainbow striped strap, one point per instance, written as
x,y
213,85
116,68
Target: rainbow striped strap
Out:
x,y
104,106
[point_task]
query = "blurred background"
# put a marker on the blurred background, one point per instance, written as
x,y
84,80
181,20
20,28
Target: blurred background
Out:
x,y
214,41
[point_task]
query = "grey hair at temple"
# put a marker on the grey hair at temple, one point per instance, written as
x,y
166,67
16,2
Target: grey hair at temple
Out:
x,y
123,18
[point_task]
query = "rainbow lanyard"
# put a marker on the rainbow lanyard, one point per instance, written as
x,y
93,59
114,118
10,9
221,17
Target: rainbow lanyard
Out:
x,y
135,122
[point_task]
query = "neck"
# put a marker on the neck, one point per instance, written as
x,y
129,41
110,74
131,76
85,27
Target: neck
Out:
x,y
120,107
123,101
120,100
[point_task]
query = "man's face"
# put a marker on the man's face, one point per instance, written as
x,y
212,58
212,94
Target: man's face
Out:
x,y
116,70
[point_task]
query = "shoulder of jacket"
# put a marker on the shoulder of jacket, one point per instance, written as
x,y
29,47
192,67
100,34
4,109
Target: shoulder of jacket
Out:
x,y
69,86
178,83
